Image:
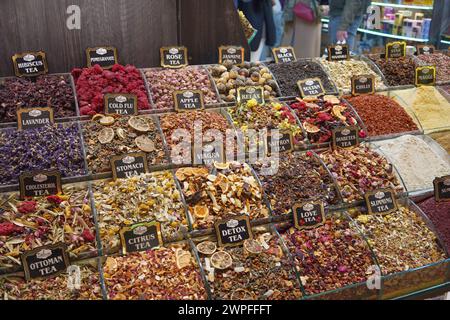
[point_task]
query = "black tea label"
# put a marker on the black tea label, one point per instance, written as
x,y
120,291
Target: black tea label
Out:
x,y
244,94
45,261
234,54
280,142
141,236
425,76
395,50
308,215
363,84
283,54
128,165
425,49
442,188
105,57
174,57
381,201
233,231
338,52
32,118
310,87
39,184
345,137
208,153
121,103
187,100
30,64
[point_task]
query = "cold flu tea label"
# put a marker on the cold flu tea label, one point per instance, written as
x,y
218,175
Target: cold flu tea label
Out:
x,y
244,94
425,76
105,57
283,54
279,142
308,215
188,100
395,50
32,118
442,188
38,184
310,87
45,261
234,54
233,231
425,49
128,165
381,201
208,153
363,84
30,64
173,57
338,52
123,104
141,236
345,137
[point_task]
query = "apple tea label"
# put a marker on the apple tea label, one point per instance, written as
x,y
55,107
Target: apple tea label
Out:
x,y
283,54
141,236
123,104
173,57
30,64
310,87
308,215
363,84
188,100
395,50
338,52
41,183
279,142
45,261
381,201
425,49
128,165
345,137
208,153
425,76
234,54
244,94
32,118
105,57
233,231
442,188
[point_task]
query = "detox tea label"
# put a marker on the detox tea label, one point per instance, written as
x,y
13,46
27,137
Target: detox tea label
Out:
x,y
279,142
234,54
105,57
173,57
425,49
123,104
244,94
363,84
38,184
310,87
30,64
128,165
442,188
141,236
381,201
32,118
425,76
208,153
233,231
45,261
338,52
283,54
188,100
345,137
308,215
395,50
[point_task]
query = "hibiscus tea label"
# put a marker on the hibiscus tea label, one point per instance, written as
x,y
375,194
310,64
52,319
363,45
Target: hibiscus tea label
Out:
x,y
233,231
381,201
141,236
128,165
105,57
32,118
308,215
40,184
30,64
45,261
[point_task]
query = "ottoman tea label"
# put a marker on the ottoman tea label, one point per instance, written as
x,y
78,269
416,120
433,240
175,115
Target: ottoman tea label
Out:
x,y
244,94
123,104
283,54
30,64
381,201
442,188
105,57
141,236
310,87
395,50
45,261
128,165
345,137
338,52
308,215
425,76
425,49
32,118
187,100
233,231
363,84
208,153
279,142
173,57
41,183
235,54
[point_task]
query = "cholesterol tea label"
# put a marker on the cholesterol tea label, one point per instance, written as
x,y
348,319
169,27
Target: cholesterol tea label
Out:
x,y
310,87
188,100
425,76
208,153
45,261
308,215
338,52
128,165
381,201
123,104
141,236
395,50
345,137
363,84
442,188
30,64
244,94
233,231
279,142
173,57
105,57
38,184
283,54
32,118
425,49
234,54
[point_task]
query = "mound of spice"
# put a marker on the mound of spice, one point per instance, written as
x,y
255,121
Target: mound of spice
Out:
x,y
231,190
53,147
398,72
382,115
443,138
53,91
442,63
93,83
359,170
107,136
158,274
123,202
287,75
163,82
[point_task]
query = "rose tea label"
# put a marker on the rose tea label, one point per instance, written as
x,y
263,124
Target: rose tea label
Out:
x,y
187,100
283,54
174,57
279,142
141,236
345,137
123,104
381,201
338,52
30,64
244,94
32,118
38,184
425,76
363,84
233,231
105,57
310,87
395,50
425,49
45,261
308,215
234,54
128,165
442,188
208,153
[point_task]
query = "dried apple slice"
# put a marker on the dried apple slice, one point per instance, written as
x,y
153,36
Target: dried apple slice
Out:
x,y
184,259
221,260
242,294
106,135
207,247
145,143
221,165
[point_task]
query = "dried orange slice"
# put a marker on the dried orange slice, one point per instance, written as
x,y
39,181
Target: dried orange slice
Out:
x,y
138,124
145,143
242,294
106,135
310,127
253,246
184,259
207,247
107,121
97,116
221,165
221,260
201,211
331,99
310,99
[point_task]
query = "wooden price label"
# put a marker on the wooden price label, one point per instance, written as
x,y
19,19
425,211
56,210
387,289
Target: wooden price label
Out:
x,y
279,142
442,188
396,49
381,201
30,64
363,84
128,165
121,103
234,54
105,57
345,137
233,231
40,183
188,100
141,236
208,153
308,215
338,52
284,54
310,87
425,76
45,261
173,57
32,118
425,49
244,94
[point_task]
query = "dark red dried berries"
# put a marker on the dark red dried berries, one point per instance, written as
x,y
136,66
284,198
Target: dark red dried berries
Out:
x,y
398,72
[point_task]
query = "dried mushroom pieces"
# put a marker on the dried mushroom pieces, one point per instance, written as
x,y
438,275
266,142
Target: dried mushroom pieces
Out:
x,y
163,82
442,63
359,170
227,192
53,147
400,240
159,274
105,138
398,72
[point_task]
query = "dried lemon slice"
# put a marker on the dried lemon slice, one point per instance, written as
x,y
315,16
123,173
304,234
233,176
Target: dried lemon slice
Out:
x,y
97,116
111,263
242,294
201,211
310,127
145,143
253,246
221,260
107,121
138,124
221,165
106,135
331,99
207,247
184,259
121,133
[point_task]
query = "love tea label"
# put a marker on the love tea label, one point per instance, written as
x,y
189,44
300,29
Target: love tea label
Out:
x,y
425,49
345,137
308,215
30,64
188,100
38,184
279,142
128,165
395,50
45,261
173,57
381,201
283,54
123,104
244,94
425,76
141,236
32,118
363,85
310,87
338,52
442,188
208,153
233,231
235,54
105,57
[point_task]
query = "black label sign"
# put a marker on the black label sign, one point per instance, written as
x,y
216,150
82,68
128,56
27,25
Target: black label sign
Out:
x,y
187,100
128,165
338,52
279,142
310,87
244,94
345,137
30,64
381,201
308,215
395,50
208,153
425,49
363,84
32,118
233,231
45,261
425,76
141,236
234,54
442,188
105,57
174,57
123,104
284,54
38,184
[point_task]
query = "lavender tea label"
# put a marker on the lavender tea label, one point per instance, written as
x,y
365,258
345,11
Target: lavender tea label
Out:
x,y
233,231
188,100
363,84
425,49
121,103
141,236
244,94
345,137
279,142
173,57
234,54
381,201
32,118
283,54
425,76
208,153
128,165
105,57
30,64
308,215
310,87
442,188
45,261
38,184
338,52
395,50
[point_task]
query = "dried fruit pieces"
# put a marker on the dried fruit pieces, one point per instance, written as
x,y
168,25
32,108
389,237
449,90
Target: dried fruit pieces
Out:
x,y
398,72
442,63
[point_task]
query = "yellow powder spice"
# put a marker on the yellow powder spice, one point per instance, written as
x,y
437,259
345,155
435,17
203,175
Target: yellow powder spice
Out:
x,y
443,138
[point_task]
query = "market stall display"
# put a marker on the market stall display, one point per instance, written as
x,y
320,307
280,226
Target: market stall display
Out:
x,y
398,72
442,63
443,138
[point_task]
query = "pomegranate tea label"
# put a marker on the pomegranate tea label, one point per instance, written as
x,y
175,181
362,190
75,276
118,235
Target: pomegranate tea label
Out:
x,y
128,165
30,64
141,236
174,57
105,57
308,215
32,118
234,54
39,184
45,261
381,201
233,231
283,54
